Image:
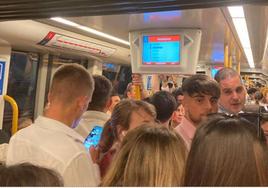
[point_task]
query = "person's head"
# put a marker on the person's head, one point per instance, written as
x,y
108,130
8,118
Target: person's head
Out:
x,y
150,155
177,116
28,175
251,92
71,91
101,95
258,97
165,104
226,151
127,114
200,97
178,94
233,92
115,99
130,91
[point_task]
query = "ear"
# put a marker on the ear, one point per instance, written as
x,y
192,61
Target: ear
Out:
x,y
108,103
49,97
121,132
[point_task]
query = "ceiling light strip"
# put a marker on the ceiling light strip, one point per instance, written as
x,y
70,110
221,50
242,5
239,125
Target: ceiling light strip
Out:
x,y
239,21
89,30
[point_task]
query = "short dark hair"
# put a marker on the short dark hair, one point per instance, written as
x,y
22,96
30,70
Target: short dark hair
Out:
x,y
29,175
202,84
165,104
177,92
224,73
114,93
101,94
252,90
227,152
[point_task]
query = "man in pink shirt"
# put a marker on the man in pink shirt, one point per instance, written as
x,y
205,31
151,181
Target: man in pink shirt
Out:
x,y
201,94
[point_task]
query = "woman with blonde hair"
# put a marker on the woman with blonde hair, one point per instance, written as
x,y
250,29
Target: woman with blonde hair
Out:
x,y
150,155
226,151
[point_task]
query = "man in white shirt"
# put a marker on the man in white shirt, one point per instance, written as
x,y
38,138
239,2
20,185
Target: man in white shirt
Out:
x,y
51,142
96,113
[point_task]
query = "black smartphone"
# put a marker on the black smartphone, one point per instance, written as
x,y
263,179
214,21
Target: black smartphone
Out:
x,y
93,137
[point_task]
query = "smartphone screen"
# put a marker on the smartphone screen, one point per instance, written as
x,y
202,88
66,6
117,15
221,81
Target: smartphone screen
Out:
x,y
93,137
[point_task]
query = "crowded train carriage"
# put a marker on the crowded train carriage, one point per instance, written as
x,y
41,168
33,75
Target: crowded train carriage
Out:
x,y
123,93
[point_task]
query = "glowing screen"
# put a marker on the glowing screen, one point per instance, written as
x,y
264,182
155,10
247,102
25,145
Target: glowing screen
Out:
x,y
214,70
161,50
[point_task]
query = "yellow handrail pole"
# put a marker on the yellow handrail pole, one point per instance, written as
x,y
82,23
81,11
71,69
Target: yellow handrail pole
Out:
x,y
230,65
238,62
15,113
226,56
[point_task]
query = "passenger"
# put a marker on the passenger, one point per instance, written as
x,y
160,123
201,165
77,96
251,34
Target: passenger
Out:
x,y
251,95
201,96
150,155
233,92
177,116
115,99
127,115
28,175
165,104
179,112
130,92
227,152
178,94
96,112
258,97
51,142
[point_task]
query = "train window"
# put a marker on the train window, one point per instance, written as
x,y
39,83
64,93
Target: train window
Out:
x,y
110,71
22,87
124,77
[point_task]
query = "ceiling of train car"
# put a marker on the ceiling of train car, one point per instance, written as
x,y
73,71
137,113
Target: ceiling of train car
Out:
x,y
34,9
257,20
211,21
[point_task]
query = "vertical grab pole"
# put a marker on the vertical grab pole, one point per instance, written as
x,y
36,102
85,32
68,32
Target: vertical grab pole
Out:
x,y
226,56
15,113
238,62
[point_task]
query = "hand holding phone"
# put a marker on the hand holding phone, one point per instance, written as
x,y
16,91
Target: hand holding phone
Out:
x,y
93,137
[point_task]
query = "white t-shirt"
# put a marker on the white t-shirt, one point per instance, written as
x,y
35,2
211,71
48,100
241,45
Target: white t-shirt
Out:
x,y
89,120
52,144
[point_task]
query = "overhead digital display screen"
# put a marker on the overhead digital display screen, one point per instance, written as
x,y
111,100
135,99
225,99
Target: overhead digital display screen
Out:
x,y
161,50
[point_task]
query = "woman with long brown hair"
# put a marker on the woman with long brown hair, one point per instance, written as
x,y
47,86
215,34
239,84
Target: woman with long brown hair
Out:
x,y
226,151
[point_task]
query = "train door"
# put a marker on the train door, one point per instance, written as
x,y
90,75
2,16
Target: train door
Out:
x,y
21,87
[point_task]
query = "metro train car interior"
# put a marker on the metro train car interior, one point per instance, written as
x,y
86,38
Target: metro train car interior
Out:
x,y
165,42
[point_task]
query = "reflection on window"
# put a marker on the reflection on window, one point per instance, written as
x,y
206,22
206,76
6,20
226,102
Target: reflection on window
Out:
x,y
22,87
